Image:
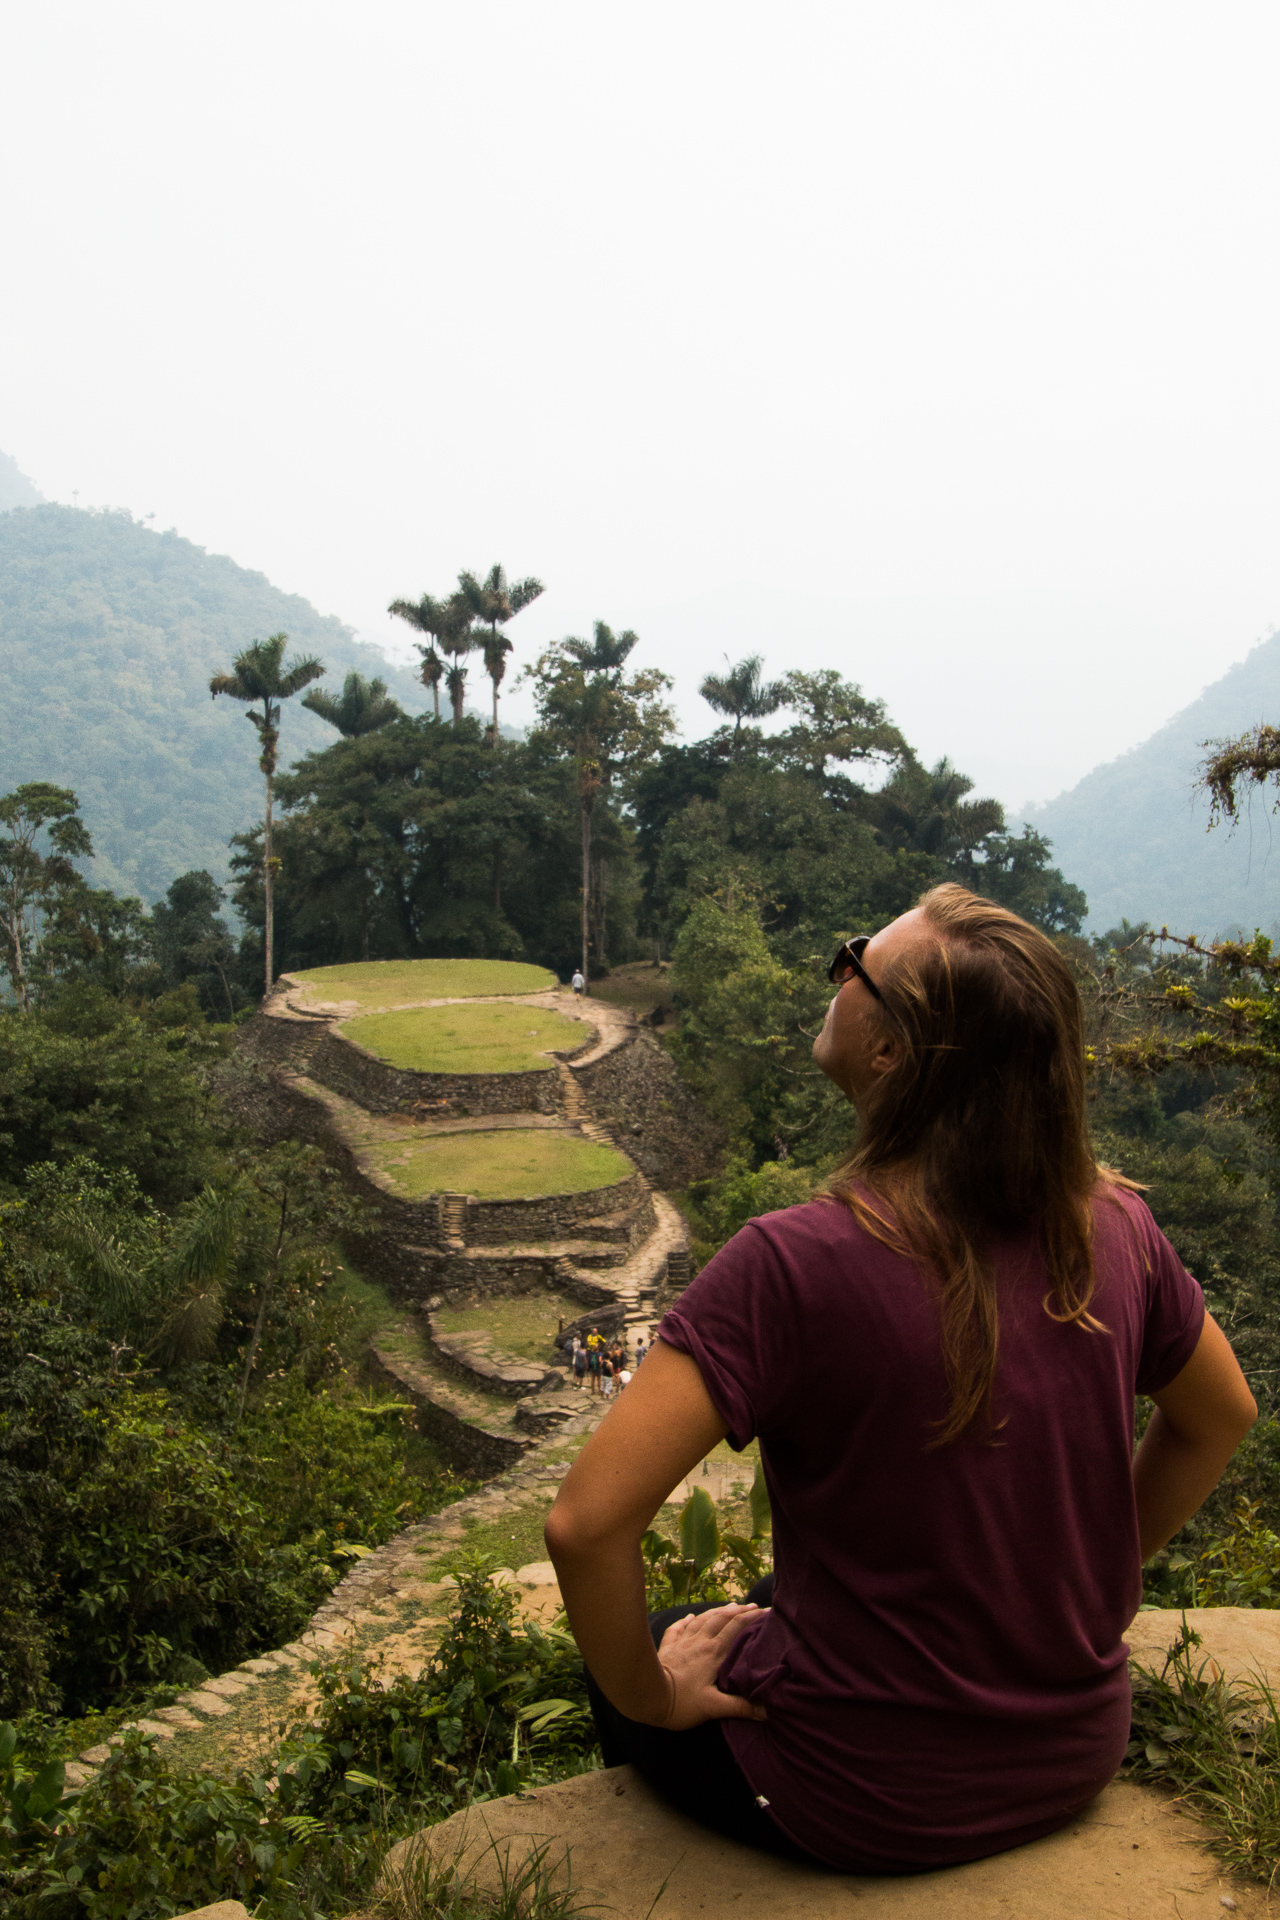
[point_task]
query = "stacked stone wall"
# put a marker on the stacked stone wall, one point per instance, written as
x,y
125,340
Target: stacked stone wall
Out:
x,y
346,1068
551,1216
637,1093
469,1449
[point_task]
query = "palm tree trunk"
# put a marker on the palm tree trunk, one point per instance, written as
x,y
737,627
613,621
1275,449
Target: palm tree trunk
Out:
x,y
586,884
269,931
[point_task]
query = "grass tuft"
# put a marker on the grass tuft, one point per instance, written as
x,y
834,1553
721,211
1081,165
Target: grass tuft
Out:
x,y
1219,1745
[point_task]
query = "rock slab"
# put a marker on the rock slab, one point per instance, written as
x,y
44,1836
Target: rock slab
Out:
x,y
1131,1856
220,1910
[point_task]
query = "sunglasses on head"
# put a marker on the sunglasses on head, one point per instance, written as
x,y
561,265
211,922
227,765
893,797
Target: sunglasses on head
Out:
x,y
848,962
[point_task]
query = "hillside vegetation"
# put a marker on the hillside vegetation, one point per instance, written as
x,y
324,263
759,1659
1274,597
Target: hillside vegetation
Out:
x,y
1134,837
110,634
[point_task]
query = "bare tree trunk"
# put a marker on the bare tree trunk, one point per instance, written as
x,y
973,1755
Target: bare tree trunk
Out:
x,y
602,889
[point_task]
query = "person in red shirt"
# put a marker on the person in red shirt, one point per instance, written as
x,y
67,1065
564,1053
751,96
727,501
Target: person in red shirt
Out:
x,y
939,1358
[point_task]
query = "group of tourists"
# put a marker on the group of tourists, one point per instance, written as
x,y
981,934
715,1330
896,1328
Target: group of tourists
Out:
x,y
600,1365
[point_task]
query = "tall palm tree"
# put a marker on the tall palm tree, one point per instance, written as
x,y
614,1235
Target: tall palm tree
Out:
x,y
431,673
493,601
448,623
742,693
261,676
364,706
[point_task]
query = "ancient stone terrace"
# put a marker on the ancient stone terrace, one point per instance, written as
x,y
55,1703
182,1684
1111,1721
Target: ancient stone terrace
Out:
x,y
502,1143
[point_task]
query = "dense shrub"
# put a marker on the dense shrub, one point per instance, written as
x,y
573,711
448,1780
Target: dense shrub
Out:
x,y
498,1706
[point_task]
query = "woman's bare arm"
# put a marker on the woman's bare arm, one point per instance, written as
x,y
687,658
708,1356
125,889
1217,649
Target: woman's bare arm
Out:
x,y
655,1434
1199,1421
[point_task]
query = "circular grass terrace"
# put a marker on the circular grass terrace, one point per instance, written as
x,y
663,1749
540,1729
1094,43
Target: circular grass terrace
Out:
x,y
376,985
461,1039
507,1164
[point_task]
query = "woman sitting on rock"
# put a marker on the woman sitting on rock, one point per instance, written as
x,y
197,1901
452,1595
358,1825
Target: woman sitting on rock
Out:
x,y
939,1358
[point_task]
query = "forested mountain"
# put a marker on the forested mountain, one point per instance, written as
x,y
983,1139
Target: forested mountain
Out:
x,y
15,488
1134,837
110,633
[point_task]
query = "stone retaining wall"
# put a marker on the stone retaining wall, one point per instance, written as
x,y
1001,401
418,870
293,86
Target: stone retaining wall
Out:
x,y
512,1379
421,1274
637,1093
552,1216
344,1066
472,1450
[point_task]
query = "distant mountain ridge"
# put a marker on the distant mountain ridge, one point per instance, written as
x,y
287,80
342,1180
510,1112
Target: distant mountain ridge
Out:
x,y
108,635
1134,836
15,488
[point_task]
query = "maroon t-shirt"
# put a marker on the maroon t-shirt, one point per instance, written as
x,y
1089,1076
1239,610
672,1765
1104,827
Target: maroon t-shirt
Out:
x,y
942,1664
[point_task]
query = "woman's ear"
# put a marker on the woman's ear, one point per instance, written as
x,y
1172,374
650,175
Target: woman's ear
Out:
x,y
886,1054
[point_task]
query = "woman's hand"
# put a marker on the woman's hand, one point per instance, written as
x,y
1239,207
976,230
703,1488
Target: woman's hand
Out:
x,y
690,1655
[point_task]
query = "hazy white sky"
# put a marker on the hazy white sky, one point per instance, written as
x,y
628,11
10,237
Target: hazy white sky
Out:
x,y
934,342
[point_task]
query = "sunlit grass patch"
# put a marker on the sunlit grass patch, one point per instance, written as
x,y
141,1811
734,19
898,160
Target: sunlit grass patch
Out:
x,y
486,1039
507,1164
378,984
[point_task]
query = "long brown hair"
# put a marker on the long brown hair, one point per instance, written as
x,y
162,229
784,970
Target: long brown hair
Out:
x,y
979,1129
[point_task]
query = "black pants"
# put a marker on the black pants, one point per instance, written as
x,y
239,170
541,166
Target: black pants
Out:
x,y
694,1771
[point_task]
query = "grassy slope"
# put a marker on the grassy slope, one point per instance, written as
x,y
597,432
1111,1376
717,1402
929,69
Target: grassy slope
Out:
x,y
639,985
487,1039
507,1164
379,984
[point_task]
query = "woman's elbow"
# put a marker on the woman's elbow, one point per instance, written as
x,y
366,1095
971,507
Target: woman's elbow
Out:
x,y
568,1533
573,1532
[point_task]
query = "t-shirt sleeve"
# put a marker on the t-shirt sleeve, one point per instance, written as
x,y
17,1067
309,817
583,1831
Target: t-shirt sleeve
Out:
x,y
737,1323
1174,1312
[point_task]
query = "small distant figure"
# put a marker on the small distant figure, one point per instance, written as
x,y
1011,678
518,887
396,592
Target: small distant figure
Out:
x,y
579,1363
577,983
595,1358
641,1349
606,1378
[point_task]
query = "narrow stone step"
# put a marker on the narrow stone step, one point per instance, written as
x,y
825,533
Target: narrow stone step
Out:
x,y
212,1705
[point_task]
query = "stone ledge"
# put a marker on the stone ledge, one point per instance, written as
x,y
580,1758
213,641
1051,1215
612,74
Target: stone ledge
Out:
x,y
1131,1856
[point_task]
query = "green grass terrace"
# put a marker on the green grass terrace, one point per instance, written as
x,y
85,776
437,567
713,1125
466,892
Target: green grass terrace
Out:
x,y
461,1039
510,1163
376,985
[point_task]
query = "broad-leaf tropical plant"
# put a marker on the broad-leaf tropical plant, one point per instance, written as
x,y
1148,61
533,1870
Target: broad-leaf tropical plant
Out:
x,y
263,679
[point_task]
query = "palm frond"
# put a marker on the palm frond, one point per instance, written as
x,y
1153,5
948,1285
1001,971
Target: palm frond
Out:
x,y
189,1330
